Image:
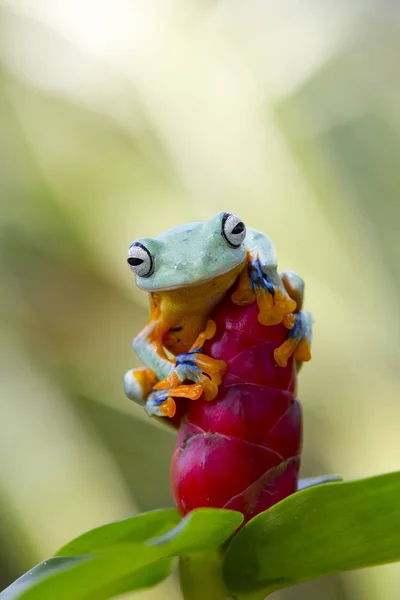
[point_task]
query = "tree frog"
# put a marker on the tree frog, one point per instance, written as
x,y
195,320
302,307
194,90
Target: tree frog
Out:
x,y
187,270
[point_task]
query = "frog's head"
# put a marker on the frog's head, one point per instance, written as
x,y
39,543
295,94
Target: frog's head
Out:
x,y
188,255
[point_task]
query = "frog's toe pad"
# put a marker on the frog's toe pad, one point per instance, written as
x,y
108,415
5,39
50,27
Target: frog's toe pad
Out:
x,y
133,388
138,384
159,404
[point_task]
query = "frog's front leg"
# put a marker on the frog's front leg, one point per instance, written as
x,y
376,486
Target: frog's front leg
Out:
x,y
206,374
260,282
279,299
148,345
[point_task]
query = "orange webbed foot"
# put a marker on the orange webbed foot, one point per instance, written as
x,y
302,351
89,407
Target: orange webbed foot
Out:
x,y
298,341
254,284
205,372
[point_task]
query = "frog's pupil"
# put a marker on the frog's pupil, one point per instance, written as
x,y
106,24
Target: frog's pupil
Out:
x,y
135,262
238,228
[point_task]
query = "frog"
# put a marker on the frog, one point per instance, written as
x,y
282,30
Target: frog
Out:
x,y
187,270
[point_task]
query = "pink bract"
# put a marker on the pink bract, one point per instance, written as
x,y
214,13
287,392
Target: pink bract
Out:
x,y
242,450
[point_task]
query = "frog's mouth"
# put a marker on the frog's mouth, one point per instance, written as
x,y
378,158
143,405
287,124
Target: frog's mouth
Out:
x,y
216,283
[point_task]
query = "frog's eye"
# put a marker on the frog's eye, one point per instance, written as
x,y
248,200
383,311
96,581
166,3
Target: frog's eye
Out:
x,y
140,260
233,230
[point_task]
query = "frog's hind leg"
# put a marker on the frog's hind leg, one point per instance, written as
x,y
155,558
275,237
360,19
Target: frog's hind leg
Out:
x,y
294,285
205,372
139,383
299,324
298,341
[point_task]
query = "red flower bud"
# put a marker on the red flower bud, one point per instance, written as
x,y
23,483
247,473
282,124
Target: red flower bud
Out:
x,y
242,450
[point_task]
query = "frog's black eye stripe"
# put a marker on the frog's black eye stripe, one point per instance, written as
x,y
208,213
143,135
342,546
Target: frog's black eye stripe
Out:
x,y
233,230
140,260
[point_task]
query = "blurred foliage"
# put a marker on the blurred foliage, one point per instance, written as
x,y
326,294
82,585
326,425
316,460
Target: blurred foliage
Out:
x,y
120,119
278,548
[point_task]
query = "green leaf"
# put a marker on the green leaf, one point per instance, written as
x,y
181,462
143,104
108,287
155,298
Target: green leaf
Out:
x,y
204,529
142,578
133,529
41,571
319,531
132,563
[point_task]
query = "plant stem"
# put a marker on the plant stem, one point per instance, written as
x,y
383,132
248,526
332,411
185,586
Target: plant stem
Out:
x,y
201,578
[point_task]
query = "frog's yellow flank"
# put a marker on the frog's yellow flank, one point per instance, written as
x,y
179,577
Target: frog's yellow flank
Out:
x,y
184,311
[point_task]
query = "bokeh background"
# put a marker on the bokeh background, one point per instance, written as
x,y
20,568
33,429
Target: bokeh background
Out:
x,y
122,118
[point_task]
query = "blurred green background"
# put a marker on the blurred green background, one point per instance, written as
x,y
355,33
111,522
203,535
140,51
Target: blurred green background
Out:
x,y
122,118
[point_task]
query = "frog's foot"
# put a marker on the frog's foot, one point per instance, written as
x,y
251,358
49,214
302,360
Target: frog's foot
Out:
x,y
138,384
197,367
161,403
255,284
298,341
